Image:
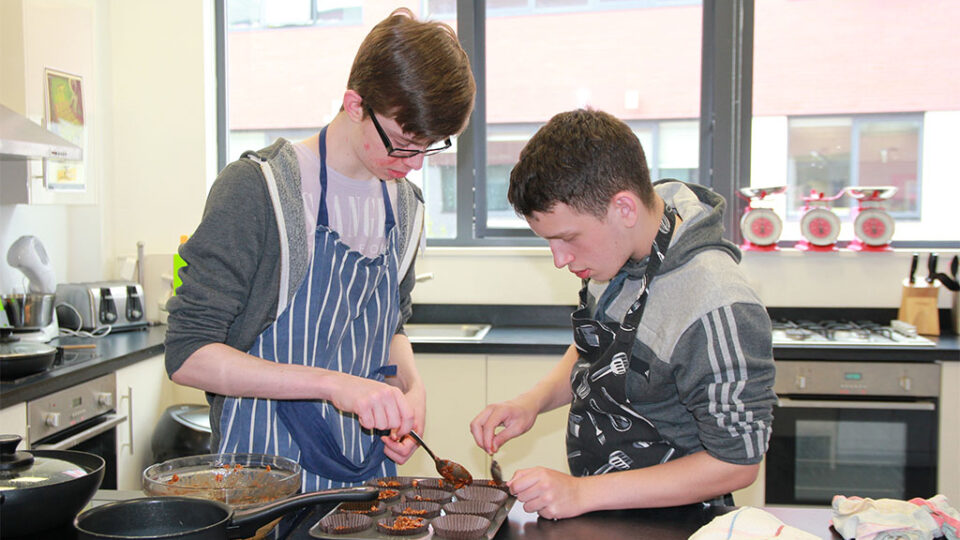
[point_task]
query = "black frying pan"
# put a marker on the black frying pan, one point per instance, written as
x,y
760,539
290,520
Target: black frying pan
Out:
x,y
196,519
30,510
22,358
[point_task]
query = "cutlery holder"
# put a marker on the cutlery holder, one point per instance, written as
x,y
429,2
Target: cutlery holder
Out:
x,y
918,306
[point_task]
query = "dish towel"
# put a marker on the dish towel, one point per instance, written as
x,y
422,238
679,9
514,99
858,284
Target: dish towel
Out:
x,y
749,523
945,515
882,519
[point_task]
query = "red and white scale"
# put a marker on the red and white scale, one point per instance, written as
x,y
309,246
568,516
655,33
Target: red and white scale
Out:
x,y
872,225
760,225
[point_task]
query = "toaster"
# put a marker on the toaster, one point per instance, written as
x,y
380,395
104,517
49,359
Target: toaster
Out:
x,y
99,304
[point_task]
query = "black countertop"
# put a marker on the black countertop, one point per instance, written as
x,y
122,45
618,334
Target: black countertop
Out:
x,y
549,337
660,523
114,351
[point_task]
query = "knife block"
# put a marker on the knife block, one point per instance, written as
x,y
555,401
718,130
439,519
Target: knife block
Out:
x,y
918,306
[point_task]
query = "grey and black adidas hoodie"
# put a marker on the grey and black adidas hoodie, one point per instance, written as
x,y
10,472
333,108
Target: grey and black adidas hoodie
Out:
x,y
250,253
705,336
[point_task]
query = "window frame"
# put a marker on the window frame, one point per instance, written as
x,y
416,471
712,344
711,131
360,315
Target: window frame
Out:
x,y
725,120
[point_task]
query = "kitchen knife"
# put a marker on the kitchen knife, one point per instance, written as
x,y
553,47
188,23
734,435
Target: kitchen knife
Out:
x,y
913,267
948,282
931,267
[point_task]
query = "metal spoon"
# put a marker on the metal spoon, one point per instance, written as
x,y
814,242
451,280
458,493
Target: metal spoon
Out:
x,y
451,471
495,472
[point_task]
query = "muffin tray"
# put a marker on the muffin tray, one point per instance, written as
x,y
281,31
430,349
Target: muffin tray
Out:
x,y
406,489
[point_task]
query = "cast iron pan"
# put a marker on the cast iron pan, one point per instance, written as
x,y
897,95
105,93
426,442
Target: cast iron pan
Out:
x,y
196,519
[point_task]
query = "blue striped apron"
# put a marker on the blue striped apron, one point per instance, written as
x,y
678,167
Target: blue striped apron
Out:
x,y
342,318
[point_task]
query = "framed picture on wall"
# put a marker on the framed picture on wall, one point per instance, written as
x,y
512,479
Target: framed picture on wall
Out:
x,y
63,105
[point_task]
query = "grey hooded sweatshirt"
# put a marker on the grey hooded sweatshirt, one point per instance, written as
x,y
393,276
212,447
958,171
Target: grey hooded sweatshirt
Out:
x,y
241,270
705,336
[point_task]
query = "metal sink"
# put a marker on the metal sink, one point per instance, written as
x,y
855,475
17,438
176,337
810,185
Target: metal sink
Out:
x,y
427,332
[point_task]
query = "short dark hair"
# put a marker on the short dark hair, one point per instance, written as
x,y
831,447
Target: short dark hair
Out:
x,y
417,73
580,158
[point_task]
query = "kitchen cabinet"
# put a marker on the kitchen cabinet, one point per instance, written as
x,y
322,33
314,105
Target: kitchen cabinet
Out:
x,y
545,443
144,392
13,420
459,387
948,472
456,391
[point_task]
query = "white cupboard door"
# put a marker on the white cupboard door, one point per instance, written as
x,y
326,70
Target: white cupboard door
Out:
x,y
545,443
13,421
140,388
455,387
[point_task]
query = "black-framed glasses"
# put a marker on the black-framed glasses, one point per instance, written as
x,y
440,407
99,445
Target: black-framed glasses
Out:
x,y
405,152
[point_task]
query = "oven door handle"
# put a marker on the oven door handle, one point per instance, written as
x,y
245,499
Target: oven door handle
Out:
x,y
788,403
110,421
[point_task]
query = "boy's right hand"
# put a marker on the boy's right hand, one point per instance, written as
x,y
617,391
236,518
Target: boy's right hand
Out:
x,y
514,415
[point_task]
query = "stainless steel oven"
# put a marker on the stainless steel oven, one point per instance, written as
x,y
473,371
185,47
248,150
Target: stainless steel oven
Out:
x,y
82,417
865,429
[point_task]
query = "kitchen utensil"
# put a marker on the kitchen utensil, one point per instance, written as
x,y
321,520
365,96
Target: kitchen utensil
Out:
x,y
28,255
240,480
931,267
196,519
914,261
29,311
495,473
244,481
182,430
43,489
948,282
21,358
451,471
954,264
93,305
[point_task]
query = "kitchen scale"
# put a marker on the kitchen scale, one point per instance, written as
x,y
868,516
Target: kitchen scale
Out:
x,y
873,226
760,225
819,225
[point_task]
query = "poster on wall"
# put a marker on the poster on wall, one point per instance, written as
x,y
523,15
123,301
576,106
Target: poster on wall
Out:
x,y
64,114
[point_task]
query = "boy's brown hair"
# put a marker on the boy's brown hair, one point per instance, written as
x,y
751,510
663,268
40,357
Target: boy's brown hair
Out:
x,y
417,73
582,159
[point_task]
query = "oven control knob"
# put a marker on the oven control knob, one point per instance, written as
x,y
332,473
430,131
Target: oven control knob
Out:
x,y
105,399
905,383
52,419
801,382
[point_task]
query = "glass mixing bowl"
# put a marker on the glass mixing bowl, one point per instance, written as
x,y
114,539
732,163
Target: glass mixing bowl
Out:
x,y
240,480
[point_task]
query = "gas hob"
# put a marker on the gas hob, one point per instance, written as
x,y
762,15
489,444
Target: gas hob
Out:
x,y
842,334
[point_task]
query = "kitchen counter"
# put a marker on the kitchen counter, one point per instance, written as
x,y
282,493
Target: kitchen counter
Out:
x,y
114,351
555,340
661,524
121,349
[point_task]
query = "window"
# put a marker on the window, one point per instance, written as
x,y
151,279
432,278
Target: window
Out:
x,y
858,94
862,97
829,154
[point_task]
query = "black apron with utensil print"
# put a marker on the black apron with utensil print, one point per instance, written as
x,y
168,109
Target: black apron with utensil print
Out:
x,y
604,434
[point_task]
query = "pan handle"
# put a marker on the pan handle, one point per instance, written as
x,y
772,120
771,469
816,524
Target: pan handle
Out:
x,y
245,523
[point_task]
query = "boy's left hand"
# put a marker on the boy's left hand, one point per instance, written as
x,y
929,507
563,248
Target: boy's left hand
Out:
x,y
550,493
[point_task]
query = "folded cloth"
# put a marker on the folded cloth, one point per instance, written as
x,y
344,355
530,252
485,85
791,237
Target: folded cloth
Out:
x,y
882,519
945,515
749,523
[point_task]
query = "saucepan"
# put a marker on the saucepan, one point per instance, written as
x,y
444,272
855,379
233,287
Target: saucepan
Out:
x,y
187,518
43,489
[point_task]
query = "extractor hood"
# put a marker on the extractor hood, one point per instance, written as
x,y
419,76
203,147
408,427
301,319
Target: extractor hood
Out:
x,y
21,138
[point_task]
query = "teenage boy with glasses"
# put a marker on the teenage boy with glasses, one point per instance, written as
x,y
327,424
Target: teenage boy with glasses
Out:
x,y
298,278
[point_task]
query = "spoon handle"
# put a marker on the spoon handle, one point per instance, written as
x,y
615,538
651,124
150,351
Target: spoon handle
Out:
x,y
423,444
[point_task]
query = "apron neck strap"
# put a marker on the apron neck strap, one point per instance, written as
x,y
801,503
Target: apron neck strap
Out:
x,y
323,218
